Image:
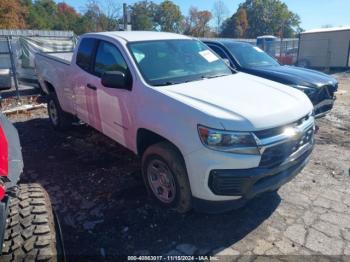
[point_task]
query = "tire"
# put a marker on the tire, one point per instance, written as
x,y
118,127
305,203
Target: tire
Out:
x,y
30,229
163,159
59,119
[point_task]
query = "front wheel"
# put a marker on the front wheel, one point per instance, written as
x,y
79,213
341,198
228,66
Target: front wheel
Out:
x,y
165,176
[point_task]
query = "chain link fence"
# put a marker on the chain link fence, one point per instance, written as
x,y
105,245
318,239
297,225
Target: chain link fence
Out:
x,y
284,50
17,52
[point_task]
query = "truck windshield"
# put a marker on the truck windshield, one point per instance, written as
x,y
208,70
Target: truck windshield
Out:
x,y
168,62
249,56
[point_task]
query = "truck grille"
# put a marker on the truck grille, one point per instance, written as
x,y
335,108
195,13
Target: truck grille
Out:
x,y
278,130
276,155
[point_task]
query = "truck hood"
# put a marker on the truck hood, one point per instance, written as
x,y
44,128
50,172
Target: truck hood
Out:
x,y
243,102
292,75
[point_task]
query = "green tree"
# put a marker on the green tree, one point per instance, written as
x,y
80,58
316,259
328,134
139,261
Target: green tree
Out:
x,y
227,28
235,26
100,15
168,17
270,17
262,17
143,15
67,17
42,14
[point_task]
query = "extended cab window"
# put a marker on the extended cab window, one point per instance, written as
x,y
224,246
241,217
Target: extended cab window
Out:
x,y
109,58
84,54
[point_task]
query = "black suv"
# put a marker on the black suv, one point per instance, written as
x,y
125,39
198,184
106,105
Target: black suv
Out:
x,y
319,87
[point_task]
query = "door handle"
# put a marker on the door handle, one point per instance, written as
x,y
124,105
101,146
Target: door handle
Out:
x,y
90,86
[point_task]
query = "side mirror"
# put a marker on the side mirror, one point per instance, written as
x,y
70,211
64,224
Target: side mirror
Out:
x,y
227,62
115,79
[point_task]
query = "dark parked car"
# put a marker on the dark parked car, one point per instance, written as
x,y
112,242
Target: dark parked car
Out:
x,y
319,87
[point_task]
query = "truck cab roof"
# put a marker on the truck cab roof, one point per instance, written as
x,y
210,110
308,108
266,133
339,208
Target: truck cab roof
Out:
x,y
224,41
135,36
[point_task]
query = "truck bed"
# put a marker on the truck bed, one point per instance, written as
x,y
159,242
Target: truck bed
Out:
x,y
62,57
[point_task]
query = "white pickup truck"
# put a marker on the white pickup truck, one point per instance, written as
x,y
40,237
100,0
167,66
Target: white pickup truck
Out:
x,y
209,137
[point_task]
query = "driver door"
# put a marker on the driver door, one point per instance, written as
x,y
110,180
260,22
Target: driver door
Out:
x,y
109,106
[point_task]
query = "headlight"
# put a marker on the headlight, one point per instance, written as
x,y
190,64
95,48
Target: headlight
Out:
x,y
309,91
226,141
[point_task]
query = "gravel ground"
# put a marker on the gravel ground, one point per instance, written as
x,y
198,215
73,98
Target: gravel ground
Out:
x,y
98,194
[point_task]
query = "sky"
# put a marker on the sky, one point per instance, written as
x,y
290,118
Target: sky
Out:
x,y
313,13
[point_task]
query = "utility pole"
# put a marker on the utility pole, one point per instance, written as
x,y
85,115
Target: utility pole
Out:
x,y
126,18
281,44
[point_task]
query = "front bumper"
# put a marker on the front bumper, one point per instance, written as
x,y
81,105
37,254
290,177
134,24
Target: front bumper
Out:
x,y
324,100
221,181
244,184
324,107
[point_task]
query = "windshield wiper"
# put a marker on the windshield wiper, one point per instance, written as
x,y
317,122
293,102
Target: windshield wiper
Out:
x,y
167,83
213,76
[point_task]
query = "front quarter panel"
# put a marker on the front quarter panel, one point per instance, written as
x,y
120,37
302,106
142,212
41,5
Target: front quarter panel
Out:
x,y
175,121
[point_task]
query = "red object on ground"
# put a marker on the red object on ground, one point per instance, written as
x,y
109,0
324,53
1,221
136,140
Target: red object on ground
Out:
x,y
2,192
4,162
285,60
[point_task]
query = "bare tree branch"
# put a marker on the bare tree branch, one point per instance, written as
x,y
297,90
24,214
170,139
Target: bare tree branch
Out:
x,y
220,12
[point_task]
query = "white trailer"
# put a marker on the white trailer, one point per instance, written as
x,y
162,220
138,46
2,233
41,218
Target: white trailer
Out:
x,y
325,48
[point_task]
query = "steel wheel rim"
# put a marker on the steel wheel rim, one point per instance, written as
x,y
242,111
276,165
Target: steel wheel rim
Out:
x,y
53,112
161,181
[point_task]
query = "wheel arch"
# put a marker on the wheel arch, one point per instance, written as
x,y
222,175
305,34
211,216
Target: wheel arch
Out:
x,y
145,138
49,87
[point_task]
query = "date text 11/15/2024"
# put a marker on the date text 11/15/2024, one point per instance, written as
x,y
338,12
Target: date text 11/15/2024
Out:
x,y
172,258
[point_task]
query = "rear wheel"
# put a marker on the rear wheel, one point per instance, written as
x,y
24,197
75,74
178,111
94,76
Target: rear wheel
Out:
x,y
30,228
165,176
59,119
